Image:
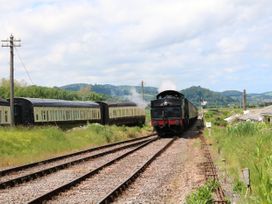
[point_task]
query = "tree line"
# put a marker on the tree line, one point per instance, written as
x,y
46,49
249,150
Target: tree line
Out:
x,y
33,91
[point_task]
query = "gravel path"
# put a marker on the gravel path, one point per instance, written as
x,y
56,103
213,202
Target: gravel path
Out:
x,y
59,162
28,191
96,187
171,177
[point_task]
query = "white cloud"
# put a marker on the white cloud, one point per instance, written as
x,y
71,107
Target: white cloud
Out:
x,y
124,42
231,45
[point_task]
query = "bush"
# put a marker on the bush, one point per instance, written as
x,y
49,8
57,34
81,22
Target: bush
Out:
x,y
203,195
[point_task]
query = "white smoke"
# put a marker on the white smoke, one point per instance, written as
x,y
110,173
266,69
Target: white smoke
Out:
x,y
137,98
167,85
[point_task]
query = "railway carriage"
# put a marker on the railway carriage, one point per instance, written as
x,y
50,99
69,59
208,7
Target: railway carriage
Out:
x,y
45,111
171,113
124,113
4,112
36,111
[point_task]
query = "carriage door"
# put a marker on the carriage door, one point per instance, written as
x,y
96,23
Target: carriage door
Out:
x,y
18,114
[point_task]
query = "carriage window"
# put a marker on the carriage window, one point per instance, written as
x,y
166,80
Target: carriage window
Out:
x,y
123,112
63,115
52,115
67,115
37,117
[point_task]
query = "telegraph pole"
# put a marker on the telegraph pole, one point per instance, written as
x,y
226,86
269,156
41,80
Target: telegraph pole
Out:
x,y
143,90
11,43
244,100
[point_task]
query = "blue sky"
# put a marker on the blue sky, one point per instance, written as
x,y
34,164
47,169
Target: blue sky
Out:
x,y
217,44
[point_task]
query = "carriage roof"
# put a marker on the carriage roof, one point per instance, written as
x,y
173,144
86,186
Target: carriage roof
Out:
x,y
39,102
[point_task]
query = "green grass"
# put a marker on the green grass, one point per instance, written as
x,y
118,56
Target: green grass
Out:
x,y
217,115
148,116
203,195
23,145
247,145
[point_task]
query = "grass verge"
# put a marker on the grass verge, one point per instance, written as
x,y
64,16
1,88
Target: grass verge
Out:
x,y
24,145
247,145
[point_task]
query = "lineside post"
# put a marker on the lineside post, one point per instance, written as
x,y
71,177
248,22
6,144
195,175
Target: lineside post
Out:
x,y
11,44
143,90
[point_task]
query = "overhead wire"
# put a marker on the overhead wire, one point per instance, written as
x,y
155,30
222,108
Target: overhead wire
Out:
x,y
27,73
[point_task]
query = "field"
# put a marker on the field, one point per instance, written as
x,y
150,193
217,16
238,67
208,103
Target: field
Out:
x,y
23,145
245,145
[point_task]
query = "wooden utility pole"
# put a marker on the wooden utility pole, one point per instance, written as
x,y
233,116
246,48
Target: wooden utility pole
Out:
x,y
143,90
11,44
244,100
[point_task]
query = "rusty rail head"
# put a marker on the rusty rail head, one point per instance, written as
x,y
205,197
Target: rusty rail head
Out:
x,y
211,172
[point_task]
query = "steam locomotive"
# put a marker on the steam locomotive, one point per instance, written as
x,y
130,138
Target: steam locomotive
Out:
x,y
172,113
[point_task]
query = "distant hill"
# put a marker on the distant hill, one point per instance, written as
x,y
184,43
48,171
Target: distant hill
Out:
x,y
252,98
232,93
194,94
115,91
268,93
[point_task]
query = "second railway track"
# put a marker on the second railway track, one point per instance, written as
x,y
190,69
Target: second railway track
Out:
x,y
33,188
94,186
17,175
7,171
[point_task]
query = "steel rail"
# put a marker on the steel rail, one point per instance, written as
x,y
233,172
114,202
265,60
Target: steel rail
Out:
x,y
44,172
119,189
26,166
55,192
211,172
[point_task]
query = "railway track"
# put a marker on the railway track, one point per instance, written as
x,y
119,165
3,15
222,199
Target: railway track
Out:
x,y
119,189
104,183
13,176
35,188
211,172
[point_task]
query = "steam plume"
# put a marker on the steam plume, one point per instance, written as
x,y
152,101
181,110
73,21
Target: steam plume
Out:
x,y
137,98
167,85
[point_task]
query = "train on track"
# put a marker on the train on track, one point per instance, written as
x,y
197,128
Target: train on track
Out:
x,y
36,111
172,113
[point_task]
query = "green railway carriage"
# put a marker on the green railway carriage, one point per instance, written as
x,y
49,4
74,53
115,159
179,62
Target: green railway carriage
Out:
x,y
44,111
125,113
4,112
